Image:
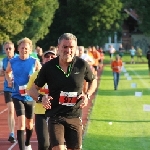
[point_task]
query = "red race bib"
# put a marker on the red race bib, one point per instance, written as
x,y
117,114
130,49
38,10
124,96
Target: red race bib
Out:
x,y
22,90
68,98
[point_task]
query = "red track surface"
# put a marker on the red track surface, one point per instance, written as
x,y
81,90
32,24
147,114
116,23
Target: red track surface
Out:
x,y
4,132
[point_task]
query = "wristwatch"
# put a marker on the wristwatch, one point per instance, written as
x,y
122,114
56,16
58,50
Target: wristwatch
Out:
x,y
88,96
39,98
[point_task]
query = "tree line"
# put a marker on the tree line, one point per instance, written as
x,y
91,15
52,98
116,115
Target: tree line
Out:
x,y
43,21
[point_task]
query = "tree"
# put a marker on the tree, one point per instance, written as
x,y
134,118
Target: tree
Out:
x,y
90,21
13,14
40,18
95,20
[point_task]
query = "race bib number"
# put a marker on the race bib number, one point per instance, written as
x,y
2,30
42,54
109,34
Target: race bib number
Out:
x,y
22,90
68,98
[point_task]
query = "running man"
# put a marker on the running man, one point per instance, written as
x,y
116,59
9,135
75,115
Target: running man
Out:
x,y
116,66
22,67
9,50
66,100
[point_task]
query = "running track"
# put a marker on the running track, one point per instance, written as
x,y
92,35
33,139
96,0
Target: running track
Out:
x,y
4,132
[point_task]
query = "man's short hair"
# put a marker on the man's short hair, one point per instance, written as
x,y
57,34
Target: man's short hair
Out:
x,y
9,42
25,40
67,36
81,47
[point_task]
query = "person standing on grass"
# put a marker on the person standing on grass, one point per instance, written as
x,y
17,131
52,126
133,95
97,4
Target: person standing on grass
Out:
x,y
111,50
121,51
132,54
40,118
116,66
66,100
148,58
139,54
22,67
9,50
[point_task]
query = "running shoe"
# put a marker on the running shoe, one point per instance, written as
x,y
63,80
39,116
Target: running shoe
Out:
x,y
11,139
28,147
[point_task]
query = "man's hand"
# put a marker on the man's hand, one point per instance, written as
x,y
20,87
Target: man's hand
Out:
x,y
46,101
84,100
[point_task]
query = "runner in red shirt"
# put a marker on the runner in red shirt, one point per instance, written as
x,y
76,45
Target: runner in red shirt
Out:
x,y
116,66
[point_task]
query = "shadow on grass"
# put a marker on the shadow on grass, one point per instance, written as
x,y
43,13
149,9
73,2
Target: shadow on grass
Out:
x,y
124,92
108,142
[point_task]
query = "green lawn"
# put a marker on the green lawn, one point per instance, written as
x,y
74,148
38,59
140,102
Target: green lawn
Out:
x,y
130,128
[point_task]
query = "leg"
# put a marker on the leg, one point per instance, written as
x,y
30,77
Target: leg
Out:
x,y
118,77
11,119
73,133
42,132
20,112
56,132
29,113
115,80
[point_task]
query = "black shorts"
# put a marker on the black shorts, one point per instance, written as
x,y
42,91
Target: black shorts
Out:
x,y
111,55
132,56
7,97
70,129
24,108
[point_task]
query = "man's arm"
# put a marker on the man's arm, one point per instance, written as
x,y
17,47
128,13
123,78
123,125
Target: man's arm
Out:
x,y
33,91
37,65
92,87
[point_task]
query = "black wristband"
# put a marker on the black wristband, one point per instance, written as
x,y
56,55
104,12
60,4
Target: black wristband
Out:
x,y
40,98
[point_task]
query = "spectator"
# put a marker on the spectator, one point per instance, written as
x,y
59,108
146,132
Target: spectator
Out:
x,y
111,50
132,54
139,54
121,51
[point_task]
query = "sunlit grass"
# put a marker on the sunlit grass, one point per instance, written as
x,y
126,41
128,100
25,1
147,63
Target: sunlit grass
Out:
x,y
130,124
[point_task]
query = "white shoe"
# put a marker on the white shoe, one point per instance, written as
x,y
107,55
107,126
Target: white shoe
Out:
x,y
28,147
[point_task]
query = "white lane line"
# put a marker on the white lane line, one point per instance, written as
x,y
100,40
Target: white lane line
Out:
x,y
10,148
3,111
139,77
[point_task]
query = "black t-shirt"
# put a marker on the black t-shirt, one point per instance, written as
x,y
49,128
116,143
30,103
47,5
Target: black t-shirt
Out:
x,y
57,81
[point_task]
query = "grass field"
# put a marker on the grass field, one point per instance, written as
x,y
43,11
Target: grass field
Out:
x,y
117,120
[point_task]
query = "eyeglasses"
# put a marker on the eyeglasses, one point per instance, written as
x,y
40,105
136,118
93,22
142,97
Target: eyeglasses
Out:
x,y
8,48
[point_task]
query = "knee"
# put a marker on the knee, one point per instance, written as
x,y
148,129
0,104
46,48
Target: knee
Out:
x,y
29,124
